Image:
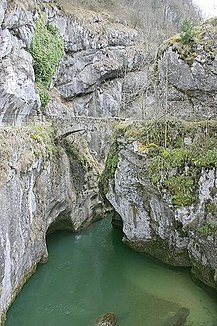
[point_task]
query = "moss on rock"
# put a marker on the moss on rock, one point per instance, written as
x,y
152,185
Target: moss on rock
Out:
x,y
160,249
204,39
205,274
29,143
208,229
110,168
177,152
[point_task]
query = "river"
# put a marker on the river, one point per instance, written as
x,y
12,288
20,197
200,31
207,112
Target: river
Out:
x,y
93,272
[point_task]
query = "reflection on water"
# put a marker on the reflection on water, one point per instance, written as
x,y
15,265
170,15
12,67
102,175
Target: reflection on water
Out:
x,y
92,273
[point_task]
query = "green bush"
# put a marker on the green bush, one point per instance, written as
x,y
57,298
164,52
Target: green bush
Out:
x,y
182,189
207,229
47,49
187,32
43,93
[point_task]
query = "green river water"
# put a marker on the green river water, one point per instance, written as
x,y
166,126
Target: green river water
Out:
x,y
92,273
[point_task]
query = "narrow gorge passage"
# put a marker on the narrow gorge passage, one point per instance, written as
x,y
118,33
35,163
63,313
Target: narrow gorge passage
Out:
x,y
93,272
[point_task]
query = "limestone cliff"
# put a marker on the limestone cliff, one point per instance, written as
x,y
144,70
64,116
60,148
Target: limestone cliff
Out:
x,y
186,74
43,186
46,180
160,177
98,74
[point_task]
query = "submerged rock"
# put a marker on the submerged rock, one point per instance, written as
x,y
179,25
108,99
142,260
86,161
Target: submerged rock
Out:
x,y
108,319
179,318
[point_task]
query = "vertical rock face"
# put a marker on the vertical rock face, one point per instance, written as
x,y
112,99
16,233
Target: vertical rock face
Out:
x,y
18,96
45,185
48,182
103,74
186,74
163,186
42,186
103,71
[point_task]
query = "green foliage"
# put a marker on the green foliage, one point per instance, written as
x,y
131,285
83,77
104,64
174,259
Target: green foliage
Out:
x,y
186,43
211,208
47,49
72,150
182,189
174,164
207,159
207,229
187,32
43,93
44,136
110,168
186,162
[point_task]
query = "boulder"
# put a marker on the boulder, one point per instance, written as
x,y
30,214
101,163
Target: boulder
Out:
x,y
108,319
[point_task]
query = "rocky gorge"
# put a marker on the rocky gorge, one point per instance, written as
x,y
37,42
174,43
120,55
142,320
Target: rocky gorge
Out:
x,y
160,175
49,181
57,119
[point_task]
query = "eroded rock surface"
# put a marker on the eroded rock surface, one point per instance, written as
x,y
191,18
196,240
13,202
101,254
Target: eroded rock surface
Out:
x,y
18,96
186,74
161,180
103,60
42,186
103,74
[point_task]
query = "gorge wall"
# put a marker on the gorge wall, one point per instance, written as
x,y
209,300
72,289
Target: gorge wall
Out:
x,y
43,186
165,194
160,176
48,180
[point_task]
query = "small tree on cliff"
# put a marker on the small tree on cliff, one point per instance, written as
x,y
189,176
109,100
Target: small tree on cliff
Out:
x,y
187,32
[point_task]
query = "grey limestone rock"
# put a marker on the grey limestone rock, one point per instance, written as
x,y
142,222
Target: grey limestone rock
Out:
x,y
18,96
20,22
3,6
182,235
39,191
187,75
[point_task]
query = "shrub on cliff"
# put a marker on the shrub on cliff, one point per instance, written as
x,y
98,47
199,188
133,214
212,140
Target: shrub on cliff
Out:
x,y
47,49
187,32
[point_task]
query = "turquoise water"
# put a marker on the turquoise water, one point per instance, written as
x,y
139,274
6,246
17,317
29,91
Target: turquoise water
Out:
x,y
92,273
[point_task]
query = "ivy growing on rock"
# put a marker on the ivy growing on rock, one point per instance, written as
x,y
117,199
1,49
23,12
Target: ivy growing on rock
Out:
x,y
47,48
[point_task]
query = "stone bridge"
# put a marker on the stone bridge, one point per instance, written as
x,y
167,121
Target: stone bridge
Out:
x,y
73,124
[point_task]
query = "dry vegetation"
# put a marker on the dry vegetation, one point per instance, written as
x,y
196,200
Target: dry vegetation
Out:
x,y
155,19
21,146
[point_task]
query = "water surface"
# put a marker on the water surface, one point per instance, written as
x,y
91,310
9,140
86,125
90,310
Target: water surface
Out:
x,y
92,273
